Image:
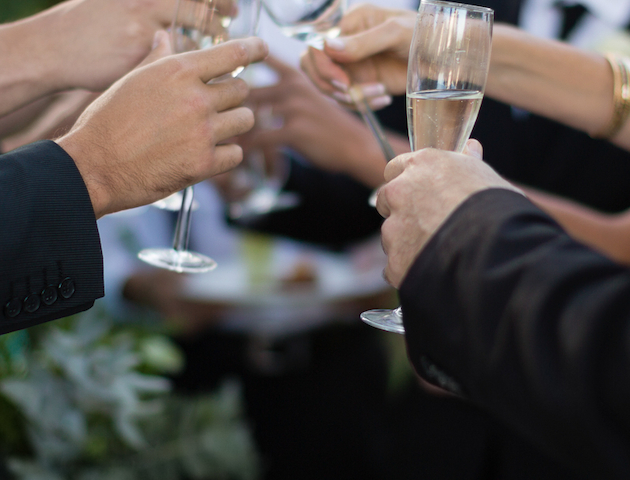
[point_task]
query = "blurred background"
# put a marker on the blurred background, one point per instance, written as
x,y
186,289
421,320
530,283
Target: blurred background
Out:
x,y
14,9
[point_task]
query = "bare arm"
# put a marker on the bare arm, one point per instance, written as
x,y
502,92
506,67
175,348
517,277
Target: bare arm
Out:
x,y
549,78
76,44
607,233
552,79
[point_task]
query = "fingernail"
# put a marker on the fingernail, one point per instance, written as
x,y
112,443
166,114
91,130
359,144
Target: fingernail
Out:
x,y
156,40
342,97
373,90
339,85
475,149
336,43
380,102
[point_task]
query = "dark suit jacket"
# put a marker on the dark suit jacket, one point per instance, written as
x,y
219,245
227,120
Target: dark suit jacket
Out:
x,y
505,308
50,255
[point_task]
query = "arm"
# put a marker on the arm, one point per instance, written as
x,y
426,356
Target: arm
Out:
x,y
608,233
52,192
545,77
501,305
50,253
76,44
530,324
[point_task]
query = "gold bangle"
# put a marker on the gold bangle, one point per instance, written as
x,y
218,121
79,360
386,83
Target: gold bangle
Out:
x,y
621,95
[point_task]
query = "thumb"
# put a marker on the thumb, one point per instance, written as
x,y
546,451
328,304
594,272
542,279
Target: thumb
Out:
x,y
161,48
474,148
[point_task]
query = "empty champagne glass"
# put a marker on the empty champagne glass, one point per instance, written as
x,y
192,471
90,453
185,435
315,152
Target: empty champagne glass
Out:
x,y
446,77
200,24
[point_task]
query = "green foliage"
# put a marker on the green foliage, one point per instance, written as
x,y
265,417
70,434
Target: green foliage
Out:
x,y
83,398
15,9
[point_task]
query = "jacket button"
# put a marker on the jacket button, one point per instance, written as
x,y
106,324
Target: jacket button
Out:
x,y
13,307
67,288
32,303
49,295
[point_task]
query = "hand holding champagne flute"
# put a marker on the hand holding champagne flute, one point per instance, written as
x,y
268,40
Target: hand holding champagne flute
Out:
x,y
201,24
446,76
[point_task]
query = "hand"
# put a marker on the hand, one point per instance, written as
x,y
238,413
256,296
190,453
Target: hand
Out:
x,y
423,188
94,42
319,129
373,48
161,128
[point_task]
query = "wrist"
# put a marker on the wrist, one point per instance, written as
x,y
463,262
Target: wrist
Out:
x,y
84,158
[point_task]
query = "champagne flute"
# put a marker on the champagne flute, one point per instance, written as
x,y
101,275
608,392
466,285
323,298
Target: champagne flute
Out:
x,y
446,77
200,24
313,21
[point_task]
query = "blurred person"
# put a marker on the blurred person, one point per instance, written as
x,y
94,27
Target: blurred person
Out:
x,y
54,191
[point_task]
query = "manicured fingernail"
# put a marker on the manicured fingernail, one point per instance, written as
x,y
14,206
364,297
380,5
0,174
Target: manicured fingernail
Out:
x,y
156,40
339,85
336,43
380,102
373,90
342,97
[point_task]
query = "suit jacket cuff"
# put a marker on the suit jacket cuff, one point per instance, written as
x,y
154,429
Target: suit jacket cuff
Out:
x,y
49,237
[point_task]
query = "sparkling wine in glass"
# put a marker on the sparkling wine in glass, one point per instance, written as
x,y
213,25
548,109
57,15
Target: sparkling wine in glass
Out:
x,y
446,77
201,24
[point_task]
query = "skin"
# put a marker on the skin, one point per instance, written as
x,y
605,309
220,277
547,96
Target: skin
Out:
x,y
77,44
319,129
546,77
423,188
161,127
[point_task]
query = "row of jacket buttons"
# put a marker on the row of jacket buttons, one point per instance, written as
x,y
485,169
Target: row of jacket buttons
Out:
x,y
33,301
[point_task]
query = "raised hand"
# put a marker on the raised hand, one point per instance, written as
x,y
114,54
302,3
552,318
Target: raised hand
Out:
x,y
162,127
373,48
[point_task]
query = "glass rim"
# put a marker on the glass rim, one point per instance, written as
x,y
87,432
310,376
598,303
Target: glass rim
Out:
x,y
465,6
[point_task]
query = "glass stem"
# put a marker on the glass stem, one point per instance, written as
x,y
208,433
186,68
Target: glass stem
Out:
x,y
372,122
182,228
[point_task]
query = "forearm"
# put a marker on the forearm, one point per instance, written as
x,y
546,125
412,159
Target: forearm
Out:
x,y
30,63
530,324
604,232
552,79
365,160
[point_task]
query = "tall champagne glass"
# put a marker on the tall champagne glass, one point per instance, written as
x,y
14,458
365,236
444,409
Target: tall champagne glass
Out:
x,y
446,77
200,24
313,21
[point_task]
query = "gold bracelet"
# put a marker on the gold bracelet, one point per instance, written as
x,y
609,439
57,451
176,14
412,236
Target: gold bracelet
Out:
x,y
621,95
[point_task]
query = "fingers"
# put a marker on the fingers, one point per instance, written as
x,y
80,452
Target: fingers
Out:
x,y
262,95
161,48
474,148
323,72
397,165
227,94
226,57
384,37
226,157
232,123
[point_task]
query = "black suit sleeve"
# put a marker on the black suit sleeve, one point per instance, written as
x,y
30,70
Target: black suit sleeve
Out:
x,y
50,255
333,210
503,306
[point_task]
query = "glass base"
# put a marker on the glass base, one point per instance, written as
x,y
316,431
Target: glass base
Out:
x,y
263,201
373,197
388,320
173,203
177,261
